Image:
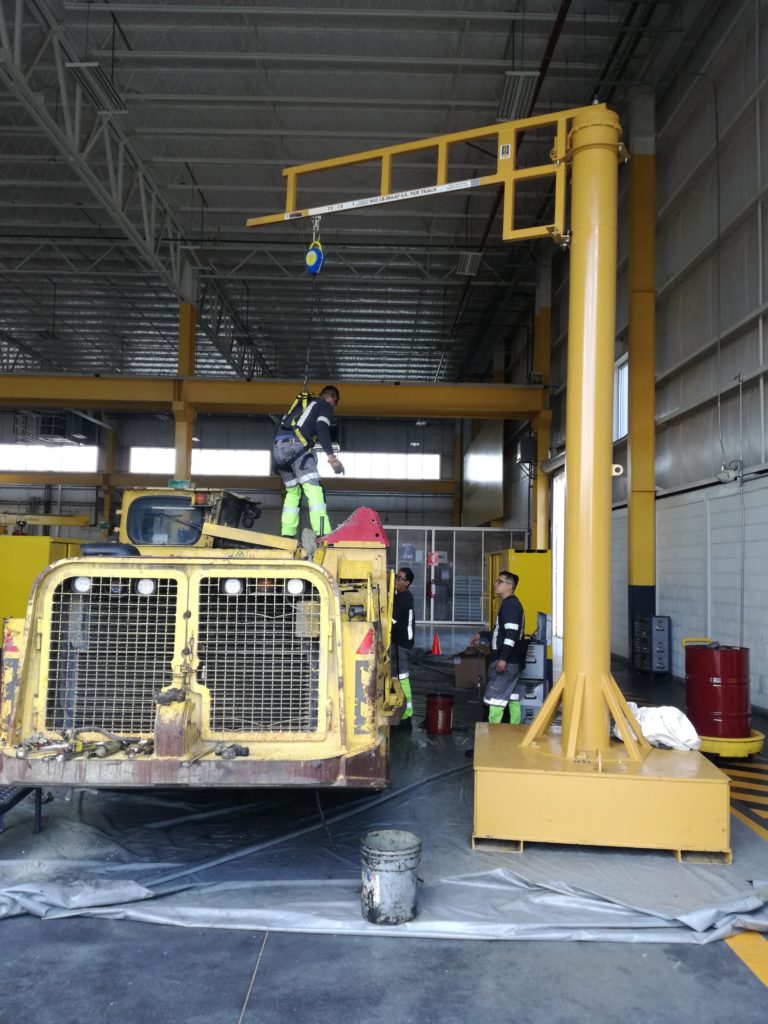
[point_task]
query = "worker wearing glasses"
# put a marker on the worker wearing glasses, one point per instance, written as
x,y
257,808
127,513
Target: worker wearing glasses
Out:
x,y
507,652
401,639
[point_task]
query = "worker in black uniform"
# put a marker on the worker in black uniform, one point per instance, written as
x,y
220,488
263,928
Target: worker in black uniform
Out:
x,y
401,639
507,652
307,421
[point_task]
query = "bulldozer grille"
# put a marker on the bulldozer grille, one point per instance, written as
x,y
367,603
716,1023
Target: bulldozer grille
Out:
x,y
110,651
259,656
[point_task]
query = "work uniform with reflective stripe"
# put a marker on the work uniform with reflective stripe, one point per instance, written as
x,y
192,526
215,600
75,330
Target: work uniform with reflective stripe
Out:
x,y
400,646
506,645
294,458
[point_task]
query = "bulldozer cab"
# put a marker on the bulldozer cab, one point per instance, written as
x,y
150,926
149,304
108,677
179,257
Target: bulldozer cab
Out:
x,y
169,517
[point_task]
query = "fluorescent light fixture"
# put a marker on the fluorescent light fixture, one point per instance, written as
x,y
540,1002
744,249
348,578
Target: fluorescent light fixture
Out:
x,y
517,95
98,86
469,263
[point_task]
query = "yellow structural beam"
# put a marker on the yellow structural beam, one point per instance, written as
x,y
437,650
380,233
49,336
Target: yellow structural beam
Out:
x,y
11,518
250,483
155,394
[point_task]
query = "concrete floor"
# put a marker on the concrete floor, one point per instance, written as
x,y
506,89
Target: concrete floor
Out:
x,y
85,970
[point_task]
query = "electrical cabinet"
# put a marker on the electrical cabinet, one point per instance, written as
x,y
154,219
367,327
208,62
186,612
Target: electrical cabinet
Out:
x,y
534,681
651,653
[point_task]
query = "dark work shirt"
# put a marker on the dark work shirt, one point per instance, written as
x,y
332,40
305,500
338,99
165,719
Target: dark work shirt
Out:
x,y
403,619
506,642
314,422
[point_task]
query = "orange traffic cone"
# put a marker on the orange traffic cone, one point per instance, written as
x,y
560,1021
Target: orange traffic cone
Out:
x,y
435,645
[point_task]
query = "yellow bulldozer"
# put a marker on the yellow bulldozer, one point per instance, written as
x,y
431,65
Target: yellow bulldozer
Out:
x,y
196,651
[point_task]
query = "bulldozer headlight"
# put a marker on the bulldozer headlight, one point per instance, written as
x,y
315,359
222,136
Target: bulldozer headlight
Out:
x,y
294,587
82,584
145,587
232,587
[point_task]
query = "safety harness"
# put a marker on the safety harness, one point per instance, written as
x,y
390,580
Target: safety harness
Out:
x,y
300,403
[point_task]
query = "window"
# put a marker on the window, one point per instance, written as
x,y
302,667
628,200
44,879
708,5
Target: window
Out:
x,y
164,520
385,465
256,462
41,458
205,462
620,399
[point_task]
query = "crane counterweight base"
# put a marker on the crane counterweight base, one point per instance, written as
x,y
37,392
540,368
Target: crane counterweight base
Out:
x,y
671,800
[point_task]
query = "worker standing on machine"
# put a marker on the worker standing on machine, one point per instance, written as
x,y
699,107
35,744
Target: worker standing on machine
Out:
x,y
307,422
401,639
507,652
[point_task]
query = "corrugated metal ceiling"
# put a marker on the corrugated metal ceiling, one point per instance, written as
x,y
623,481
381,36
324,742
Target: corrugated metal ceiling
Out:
x,y
110,214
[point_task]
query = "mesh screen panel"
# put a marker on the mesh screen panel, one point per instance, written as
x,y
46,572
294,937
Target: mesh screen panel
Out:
x,y
111,649
260,656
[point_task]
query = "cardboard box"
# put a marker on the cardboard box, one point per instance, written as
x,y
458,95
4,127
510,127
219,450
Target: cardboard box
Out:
x,y
469,669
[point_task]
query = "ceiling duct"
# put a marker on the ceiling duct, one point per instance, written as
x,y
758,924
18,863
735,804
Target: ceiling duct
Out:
x,y
469,263
98,86
517,95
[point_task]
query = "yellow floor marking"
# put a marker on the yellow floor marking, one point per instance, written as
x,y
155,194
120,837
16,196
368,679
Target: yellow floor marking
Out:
x,y
748,798
752,949
762,832
758,766
763,814
760,788
735,773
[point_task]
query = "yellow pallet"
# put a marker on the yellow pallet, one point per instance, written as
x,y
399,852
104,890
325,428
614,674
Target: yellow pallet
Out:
x,y
726,747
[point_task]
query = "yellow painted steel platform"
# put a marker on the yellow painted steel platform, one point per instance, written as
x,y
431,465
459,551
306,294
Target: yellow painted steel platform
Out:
x,y
727,747
669,800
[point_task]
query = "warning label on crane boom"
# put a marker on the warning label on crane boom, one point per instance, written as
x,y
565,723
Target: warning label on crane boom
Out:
x,y
392,197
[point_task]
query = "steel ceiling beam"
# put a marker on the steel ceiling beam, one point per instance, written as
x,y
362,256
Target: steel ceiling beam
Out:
x,y
128,192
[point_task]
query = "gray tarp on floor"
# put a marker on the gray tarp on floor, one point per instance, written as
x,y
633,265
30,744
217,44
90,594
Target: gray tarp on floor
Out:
x,y
264,860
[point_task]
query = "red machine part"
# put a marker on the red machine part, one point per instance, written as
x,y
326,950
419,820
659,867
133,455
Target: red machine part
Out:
x,y
363,525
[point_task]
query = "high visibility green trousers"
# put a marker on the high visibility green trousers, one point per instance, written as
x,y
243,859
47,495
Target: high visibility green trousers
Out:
x,y
318,514
515,713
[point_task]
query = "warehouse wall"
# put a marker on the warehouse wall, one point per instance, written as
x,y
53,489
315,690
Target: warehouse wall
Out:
x,y
712,164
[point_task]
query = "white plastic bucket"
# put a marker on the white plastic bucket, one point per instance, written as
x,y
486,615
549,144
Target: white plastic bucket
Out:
x,y
390,858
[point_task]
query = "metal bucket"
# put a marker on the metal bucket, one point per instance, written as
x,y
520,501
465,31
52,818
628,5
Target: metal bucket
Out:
x,y
390,858
717,690
439,714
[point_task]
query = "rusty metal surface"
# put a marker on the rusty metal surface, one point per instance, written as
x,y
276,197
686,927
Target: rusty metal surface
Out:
x,y
369,770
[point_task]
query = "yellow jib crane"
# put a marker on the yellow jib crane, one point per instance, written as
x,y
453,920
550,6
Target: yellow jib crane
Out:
x,y
579,786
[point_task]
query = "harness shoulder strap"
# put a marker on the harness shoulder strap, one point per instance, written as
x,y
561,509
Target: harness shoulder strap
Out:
x,y
302,400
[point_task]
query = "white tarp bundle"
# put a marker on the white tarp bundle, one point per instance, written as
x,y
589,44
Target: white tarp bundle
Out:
x,y
664,727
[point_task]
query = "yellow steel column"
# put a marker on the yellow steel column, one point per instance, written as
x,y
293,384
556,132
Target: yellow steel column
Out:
x,y
540,500
184,417
187,325
589,414
542,347
110,453
642,363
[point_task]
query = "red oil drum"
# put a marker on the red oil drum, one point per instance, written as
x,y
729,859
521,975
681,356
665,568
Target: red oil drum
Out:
x,y
717,690
439,714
